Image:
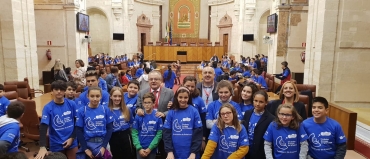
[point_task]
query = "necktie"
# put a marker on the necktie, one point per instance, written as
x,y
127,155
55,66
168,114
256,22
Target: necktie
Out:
x,y
155,92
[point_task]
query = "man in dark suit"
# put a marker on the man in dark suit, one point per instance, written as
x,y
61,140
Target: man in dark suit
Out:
x,y
214,58
162,103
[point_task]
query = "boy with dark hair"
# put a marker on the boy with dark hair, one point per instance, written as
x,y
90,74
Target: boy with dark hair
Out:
x,y
4,102
92,80
233,76
71,90
9,128
326,137
112,79
58,116
139,71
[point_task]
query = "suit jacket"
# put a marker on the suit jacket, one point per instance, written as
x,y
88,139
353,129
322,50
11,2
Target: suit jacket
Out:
x,y
214,92
109,80
260,129
166,95
299,106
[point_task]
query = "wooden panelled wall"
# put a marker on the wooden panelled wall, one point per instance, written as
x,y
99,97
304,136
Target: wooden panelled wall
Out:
x,y
189,40
194,54
347,119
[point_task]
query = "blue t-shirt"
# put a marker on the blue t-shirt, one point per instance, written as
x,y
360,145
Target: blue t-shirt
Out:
x,y
260,80
10,132
323,138
139,72
214,108
103,84
245,108
182,122
4,102
147,127
252,125
247,74
94,121
228,141
199,105
286,142
169,83
129,77
218,72
61,120
119,122
84,100
130,102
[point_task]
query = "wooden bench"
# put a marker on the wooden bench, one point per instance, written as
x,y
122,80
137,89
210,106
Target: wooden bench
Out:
x,y
347,119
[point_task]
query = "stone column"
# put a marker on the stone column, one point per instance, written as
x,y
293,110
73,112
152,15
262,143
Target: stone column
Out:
x,y
155,29
278,49
18,57
214,22
321,45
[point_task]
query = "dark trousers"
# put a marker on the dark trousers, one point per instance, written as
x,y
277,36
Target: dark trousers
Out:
x,y
121,145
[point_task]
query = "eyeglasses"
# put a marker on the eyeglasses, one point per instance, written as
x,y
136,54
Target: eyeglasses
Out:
x,y
147,103
227,114
154,79
285,115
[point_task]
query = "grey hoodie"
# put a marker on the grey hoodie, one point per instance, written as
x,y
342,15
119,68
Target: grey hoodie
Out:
x,y
4,120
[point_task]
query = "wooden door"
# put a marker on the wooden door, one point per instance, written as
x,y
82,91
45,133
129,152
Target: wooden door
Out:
x,y
225,42
143,41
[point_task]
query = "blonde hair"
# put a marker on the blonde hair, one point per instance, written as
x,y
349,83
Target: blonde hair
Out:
x,y
125,111
296,94
58,66
235,122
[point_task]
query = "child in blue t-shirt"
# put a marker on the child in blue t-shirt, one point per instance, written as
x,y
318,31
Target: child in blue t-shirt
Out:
x,y
224,90
147,130
246,97
94,126
139,71
285,137
190,82
58,116
228,138
4,102
131,95
92,81
102,83
326,137
128,75
9,128
258,79
169,77
71,90
120,142
182,129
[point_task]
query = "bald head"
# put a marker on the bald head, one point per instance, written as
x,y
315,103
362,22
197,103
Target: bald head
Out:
x,y
208,75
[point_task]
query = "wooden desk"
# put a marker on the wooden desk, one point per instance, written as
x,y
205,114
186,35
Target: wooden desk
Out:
x,y
193,53
272,96
41,101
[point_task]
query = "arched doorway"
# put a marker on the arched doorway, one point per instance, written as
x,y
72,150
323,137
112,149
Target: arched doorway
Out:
x,y
262,31
99,31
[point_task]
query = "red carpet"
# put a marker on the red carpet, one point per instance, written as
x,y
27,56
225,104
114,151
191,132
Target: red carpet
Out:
x,y
177,86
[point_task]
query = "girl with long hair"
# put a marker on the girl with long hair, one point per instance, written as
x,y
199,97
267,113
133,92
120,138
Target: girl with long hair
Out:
x,y
190,82
169,77
177,65
224,90
256,121
228,138
120,142
247,97
285,137
182,129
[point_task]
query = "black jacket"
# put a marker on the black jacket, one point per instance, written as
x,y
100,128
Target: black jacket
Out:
x,y
258,151
299,106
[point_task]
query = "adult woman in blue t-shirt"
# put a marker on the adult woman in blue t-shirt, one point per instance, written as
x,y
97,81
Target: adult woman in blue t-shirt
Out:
x,y
182,129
